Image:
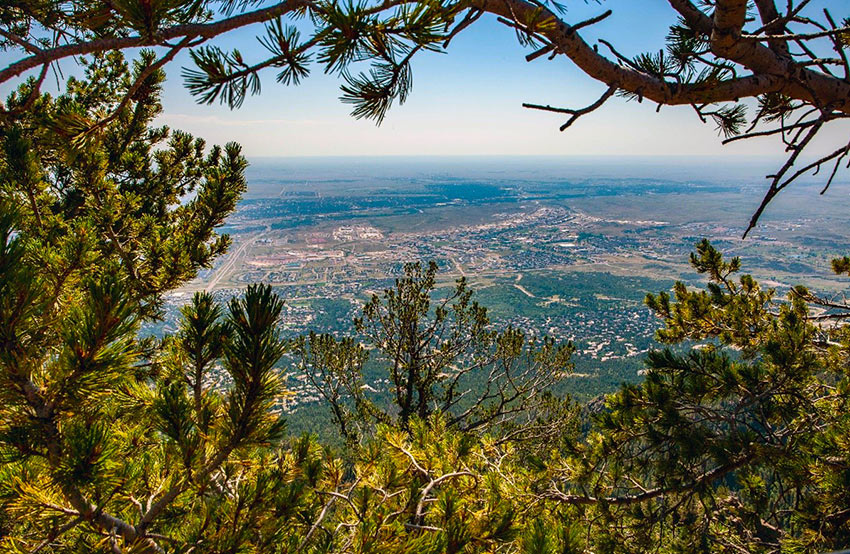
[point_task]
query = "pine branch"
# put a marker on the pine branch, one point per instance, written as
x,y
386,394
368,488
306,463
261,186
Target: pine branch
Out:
x,y
194,30
576,113
703,479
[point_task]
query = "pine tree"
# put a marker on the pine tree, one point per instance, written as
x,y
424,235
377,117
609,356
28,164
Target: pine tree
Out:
x,y
729,446
115,443
106,439
441,354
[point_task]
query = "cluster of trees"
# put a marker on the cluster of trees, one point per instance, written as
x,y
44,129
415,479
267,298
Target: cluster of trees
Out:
x,y
112,443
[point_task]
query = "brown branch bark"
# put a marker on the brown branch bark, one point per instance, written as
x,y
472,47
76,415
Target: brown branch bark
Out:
x,y
727,26
770,72
205,30
576,113
772,23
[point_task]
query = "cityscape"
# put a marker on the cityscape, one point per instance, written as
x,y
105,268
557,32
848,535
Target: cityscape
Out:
x,y
566,260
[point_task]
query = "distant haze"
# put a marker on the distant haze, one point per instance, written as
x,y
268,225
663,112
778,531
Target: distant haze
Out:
x,y
326,169
273,177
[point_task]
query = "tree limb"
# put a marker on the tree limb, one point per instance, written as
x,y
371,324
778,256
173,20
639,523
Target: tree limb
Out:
x,y
205,30
576,113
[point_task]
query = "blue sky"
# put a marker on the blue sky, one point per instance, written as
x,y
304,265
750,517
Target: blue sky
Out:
x,y
468,102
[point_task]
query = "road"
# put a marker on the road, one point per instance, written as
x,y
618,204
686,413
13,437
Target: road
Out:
x,y
231,260
521,288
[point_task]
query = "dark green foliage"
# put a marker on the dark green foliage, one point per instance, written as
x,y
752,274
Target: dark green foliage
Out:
x,y
283,43
95,228
111,443
439,355
250,357
112,191
216,78
725,447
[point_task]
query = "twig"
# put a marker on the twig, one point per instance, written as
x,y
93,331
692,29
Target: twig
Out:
x,y
58,533
144,74
576,113
837,46
774,188
316,524
434,483
798,36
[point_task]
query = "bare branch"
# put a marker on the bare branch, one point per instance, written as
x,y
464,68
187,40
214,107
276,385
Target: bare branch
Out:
x,y
774,186
434,483
837,46
573,112
770,132
796,36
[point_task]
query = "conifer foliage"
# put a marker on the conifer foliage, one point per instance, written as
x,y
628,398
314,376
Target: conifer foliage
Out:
x,y
100,435
732,445
737,440
443,358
